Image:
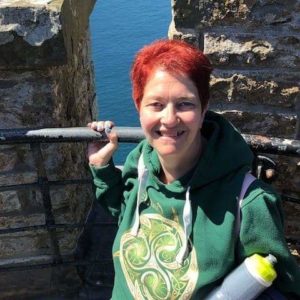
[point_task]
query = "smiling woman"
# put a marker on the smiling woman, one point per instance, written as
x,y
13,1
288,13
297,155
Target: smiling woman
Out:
x,y
176,198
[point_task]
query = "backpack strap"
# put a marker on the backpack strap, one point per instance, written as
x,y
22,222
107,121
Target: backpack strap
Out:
x,y
248,179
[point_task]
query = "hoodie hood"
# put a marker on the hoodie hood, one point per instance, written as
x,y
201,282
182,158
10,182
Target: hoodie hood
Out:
x,y
226,152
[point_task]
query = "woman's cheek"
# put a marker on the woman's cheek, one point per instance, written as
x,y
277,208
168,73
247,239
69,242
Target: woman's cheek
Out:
x,y
146,120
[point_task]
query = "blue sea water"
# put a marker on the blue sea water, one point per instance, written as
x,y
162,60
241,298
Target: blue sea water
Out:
x,y
119,29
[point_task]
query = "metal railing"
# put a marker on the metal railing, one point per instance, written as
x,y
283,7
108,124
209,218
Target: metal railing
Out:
x,y
36,136
258,143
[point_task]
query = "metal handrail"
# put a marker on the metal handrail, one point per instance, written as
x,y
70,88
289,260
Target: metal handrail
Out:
x,y
35,136
258,143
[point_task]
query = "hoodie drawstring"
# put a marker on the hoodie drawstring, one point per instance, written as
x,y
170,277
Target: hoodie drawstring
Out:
x,y
187,224
143,174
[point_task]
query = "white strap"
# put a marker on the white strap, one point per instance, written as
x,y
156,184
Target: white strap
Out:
x,y
246,183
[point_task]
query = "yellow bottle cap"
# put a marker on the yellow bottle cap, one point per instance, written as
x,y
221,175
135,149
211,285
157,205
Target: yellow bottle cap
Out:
x,y
262,267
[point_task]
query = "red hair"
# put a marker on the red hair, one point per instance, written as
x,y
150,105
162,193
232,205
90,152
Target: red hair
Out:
x,y
176,57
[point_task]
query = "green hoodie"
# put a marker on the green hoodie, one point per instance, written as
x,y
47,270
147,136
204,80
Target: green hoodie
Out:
x,y
145,264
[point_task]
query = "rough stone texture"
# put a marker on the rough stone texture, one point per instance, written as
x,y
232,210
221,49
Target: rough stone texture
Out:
x,y
24,26
16,163
253,49
250,13
275,90
256,122
46,80
254,46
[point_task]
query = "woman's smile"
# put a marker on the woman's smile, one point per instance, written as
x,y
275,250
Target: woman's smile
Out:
x,y
174,134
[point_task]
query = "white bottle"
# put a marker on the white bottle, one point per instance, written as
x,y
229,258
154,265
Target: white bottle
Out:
x,y
248,280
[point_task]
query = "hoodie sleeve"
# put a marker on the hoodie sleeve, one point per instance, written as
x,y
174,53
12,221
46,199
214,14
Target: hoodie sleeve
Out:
x,y
113,187
262,232
109,188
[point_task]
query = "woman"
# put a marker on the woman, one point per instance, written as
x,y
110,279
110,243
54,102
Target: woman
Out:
x,y
176,197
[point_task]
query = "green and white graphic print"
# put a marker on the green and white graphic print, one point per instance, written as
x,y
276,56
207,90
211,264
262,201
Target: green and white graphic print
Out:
x,y
149,262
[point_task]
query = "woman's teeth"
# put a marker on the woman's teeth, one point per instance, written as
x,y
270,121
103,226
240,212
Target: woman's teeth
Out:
x,y
171,134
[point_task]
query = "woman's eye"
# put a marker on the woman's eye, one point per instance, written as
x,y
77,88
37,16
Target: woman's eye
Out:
x,y
185,105
156,105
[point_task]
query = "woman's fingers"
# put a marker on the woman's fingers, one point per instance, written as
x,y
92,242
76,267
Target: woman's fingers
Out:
x,y
100,153
108,125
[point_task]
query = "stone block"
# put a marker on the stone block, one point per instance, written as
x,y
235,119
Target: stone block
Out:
x,y
248,13
38,34
275,89
24,244
26,99
15,176
30,35
18,221
8,202
16,165
274,13
281,126
69,161
20,203
248,50
67,203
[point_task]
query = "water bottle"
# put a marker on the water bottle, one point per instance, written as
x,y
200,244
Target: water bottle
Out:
x,y
248,280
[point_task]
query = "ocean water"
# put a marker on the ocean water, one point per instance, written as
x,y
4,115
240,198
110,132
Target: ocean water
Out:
x,y
119,29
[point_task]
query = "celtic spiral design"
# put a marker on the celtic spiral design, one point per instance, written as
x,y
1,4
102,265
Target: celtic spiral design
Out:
x,y
149,262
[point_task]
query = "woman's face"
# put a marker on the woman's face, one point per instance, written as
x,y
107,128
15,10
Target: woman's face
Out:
x,y
171,114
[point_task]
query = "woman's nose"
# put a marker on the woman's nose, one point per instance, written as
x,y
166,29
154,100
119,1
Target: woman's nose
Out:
x,y
169,116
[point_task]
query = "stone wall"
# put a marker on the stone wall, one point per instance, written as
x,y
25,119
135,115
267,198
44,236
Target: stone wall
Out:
x,y
254,46
46,80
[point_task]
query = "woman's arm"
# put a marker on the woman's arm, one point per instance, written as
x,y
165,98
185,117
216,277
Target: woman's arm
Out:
x,y
108,187
107,178
262,232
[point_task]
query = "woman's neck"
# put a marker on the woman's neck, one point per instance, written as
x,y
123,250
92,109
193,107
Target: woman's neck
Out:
x,y
173,167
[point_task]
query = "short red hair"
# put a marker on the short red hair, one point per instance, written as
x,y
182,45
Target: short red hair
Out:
x,y
176,57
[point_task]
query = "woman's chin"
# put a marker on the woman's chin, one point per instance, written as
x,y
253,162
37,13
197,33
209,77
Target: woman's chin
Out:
x,y
169,150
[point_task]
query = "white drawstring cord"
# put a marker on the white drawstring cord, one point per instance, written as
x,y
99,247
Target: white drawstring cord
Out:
x,y
143,174
187,224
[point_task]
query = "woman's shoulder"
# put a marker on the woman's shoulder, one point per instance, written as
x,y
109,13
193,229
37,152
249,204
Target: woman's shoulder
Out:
x,y
260,197
259,187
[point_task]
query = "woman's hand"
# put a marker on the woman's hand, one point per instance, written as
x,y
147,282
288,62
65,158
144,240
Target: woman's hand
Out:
x,y
99,153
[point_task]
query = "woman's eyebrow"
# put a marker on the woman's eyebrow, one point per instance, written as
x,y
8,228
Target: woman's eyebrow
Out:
x,y
189,97
154,97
